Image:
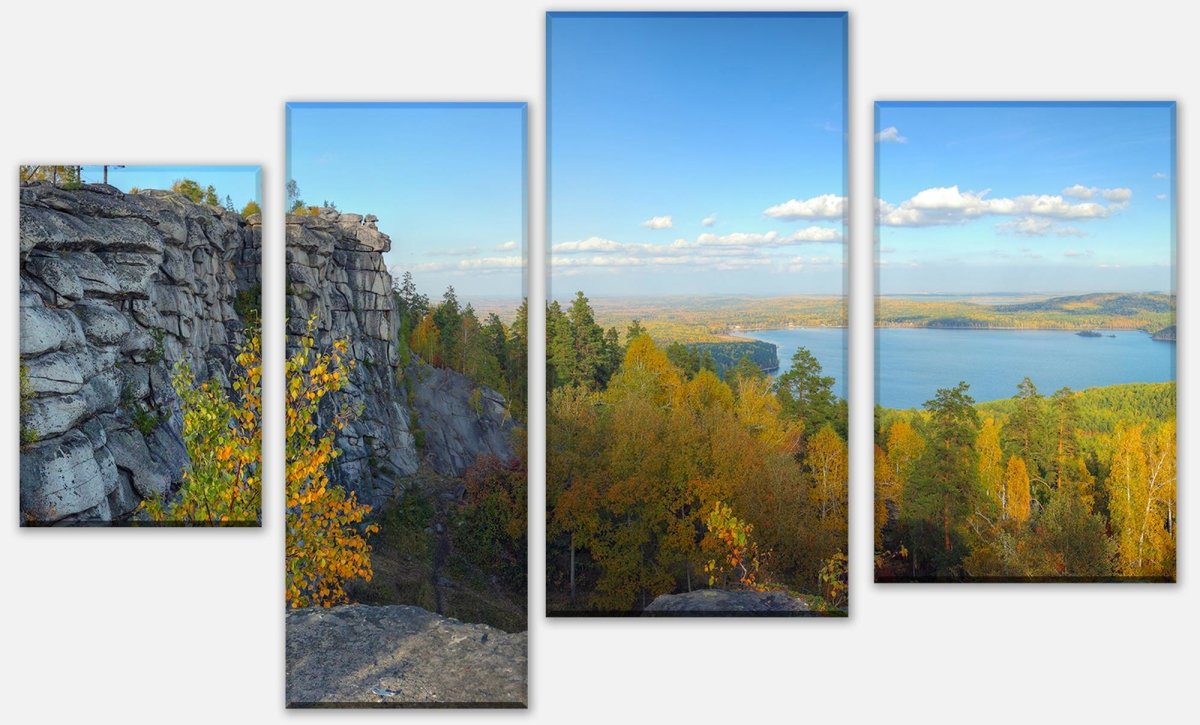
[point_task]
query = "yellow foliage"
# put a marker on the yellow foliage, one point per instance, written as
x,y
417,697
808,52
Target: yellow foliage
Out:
x,y
326,544
991,472
425,342
1017,495
1141,484
223,482
734,551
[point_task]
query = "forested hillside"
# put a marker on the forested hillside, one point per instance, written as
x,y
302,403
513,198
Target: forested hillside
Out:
x,y
1149,312
1074,485
664,476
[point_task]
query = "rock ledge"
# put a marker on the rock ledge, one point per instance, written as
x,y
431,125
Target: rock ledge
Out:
x,y
400,656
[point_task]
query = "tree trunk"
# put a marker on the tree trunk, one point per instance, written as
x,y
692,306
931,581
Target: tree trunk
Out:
x,y
572,570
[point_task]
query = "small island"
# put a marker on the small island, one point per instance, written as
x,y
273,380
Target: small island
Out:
x,y
1089,333
1167,334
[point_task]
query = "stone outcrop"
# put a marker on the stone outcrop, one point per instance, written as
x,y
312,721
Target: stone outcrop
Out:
x,y
459,419
337,276
721,602
115,289
400,655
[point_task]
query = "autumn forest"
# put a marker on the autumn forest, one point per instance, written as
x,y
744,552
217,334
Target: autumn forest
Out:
x,y
666,476
1070,486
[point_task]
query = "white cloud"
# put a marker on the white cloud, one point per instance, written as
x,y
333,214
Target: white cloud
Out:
x,y
709,220
949,205
1119,195
733,251
658,222
591,244
1158,175
1026,227
506,246
825,206
1074,253
890,135
481,265
1160,197
1038,227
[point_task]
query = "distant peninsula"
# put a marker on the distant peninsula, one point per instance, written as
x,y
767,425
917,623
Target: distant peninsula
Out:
x,y
1167,334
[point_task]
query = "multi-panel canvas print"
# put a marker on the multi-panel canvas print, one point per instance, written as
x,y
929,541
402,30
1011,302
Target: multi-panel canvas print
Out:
x,y
695,341
1025,342
405,405
140,369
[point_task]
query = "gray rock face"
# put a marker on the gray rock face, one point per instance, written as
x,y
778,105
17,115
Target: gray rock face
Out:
x,y
336,273
718,602
116,289
400,655
461,420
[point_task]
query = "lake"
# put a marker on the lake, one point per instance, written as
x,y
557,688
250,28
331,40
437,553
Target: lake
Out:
x,y
827,344
912,363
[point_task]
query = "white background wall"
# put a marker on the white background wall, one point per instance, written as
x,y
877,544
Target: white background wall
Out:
x,y
187,626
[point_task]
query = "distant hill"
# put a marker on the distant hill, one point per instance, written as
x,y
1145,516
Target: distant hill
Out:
x,y
1107,304
1100,311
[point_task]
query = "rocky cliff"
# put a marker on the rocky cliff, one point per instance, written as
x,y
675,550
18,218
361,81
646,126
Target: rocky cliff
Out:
x,y
399,655
410,413
115,289
729,603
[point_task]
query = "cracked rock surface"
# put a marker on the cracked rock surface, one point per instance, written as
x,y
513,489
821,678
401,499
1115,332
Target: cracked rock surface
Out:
x,y
398,655
115,289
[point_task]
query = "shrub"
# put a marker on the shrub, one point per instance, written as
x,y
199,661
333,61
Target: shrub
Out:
x,y
325,536
223,481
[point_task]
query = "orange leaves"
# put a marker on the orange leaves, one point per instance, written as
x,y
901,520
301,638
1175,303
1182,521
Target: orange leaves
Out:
x,y
222,483
326,544
728,539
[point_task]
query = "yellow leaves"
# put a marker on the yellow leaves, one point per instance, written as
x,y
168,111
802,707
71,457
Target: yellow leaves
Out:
x,y
326,544
1017,495
221,484
729,538
1141,486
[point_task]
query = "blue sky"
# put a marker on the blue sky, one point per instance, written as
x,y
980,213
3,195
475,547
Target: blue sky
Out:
x,y
447,182
1025,197
698,153
240,183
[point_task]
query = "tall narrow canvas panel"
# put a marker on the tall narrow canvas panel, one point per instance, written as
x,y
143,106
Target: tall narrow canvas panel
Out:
x,y
140,365
405,395
1025,342
695,327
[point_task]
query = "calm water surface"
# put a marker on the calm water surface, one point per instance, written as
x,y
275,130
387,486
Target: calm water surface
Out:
x,y
911,364
827,344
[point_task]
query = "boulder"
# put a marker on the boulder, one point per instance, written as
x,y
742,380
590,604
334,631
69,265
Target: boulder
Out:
x,y
60,477
58,275
44,329
54,373
461,419
729,603
400,655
